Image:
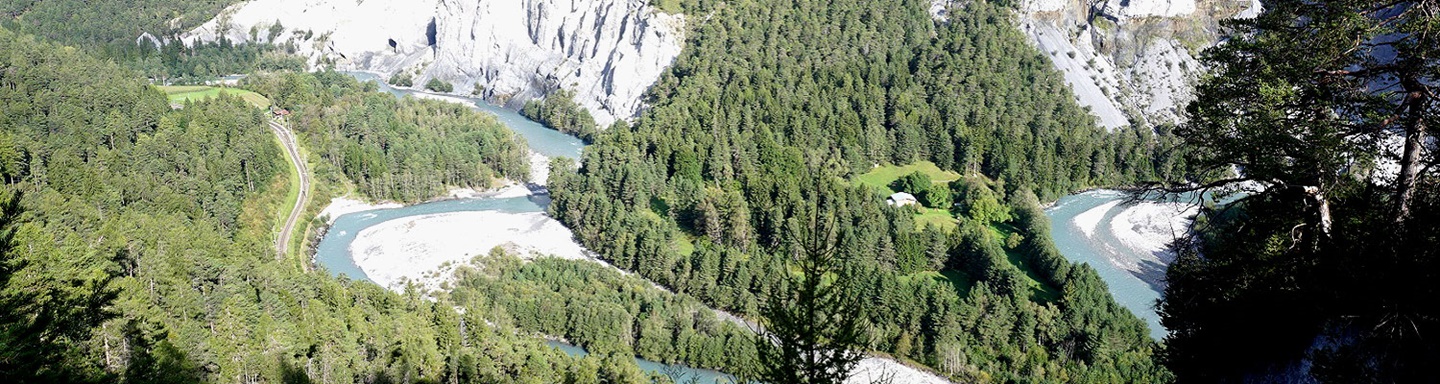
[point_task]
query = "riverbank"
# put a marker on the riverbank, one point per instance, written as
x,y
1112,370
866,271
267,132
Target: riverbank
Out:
x,y
425,250
341,206
1152,226
1145,229
1126,244
879,370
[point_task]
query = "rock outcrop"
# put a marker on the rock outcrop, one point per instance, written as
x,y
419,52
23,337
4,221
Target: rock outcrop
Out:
x,y
508,51
1130,61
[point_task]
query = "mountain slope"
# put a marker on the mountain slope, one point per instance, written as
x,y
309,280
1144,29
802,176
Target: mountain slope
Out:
x,y
776,104
140,251
1129,61
607,51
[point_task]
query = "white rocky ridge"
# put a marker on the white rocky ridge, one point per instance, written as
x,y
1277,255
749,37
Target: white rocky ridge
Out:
x,y
1130,9
607,51
1129,60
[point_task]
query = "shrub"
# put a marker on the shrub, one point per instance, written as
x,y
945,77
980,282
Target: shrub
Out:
x,y
402,79
438,85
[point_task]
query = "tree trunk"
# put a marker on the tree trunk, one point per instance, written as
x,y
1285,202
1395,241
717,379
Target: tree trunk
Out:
x,y
1410,159
1322,209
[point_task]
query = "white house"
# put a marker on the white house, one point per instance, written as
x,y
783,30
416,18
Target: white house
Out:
x,y
900,199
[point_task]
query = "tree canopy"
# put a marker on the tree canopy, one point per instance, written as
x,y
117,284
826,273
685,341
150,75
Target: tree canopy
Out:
x,y
696,194
1319,114
137,249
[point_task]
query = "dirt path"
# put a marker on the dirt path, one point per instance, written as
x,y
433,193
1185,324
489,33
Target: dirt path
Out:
x,y
292,150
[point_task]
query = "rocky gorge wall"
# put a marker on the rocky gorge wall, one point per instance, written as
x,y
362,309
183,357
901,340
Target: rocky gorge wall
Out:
x,y
508,51
1130,61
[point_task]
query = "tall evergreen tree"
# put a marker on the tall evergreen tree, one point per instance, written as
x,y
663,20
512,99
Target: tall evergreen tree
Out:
x,y
43,327
1314,96
812,332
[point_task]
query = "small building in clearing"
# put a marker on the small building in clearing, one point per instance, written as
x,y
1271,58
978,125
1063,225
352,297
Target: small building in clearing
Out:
x,y
900,199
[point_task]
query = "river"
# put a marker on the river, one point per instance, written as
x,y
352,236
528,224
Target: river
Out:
x,y
680,373
542,140
1124,244
333,251
1079,225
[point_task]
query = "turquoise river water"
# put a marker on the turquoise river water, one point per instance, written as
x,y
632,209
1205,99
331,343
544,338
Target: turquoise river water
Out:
x,y
1137,291
333,251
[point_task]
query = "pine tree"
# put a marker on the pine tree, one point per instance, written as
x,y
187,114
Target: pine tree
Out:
x,y
1307,97
813,333
42,327
1307,105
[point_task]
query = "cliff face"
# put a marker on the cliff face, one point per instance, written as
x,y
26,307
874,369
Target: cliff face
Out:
x,y
1129,60
607,51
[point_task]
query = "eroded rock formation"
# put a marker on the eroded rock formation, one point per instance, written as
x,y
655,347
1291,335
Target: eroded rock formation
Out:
x,y
607,51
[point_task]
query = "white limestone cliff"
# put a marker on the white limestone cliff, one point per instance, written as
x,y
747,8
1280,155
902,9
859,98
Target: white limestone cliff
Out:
x,y
607,51
1129,60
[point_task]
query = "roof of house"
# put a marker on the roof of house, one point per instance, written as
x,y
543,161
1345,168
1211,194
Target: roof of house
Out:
x,y
902,196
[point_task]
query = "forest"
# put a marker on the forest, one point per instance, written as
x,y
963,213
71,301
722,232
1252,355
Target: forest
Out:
x,y
106,25
406,150
112,29
136,249
596,307
773,107
135,237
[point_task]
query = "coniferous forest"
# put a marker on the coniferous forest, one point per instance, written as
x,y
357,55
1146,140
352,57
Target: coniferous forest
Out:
x,y
136,249
739,212
742,139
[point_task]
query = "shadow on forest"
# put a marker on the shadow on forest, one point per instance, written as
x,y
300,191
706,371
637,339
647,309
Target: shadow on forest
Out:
x,y
291,374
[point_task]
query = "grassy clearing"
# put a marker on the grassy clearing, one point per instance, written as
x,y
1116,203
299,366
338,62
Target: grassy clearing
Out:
x,y
935,216
684,244
182,93
957,279
1039,291
882,176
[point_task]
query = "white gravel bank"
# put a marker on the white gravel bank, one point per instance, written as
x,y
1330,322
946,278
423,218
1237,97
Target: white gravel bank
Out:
x,y
341,206
1150,227
425,248
874,369
1089,220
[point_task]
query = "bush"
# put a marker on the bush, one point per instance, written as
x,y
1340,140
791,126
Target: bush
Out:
x,y
978,202
1014,240
938,196
915,183
402,79
438,85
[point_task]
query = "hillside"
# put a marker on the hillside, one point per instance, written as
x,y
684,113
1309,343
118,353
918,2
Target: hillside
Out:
x,y
774,105
137,250
1129,61
781,191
